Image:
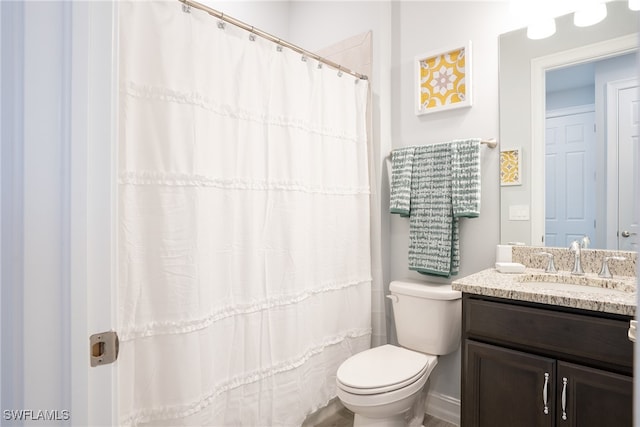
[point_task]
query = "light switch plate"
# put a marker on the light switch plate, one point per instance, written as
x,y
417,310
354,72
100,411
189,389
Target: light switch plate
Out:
x,y
519,213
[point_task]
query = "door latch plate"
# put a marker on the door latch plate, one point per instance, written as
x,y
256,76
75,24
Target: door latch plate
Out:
x,y
103,348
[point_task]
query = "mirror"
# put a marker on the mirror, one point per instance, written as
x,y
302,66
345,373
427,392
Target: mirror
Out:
x,y
526,68
586,169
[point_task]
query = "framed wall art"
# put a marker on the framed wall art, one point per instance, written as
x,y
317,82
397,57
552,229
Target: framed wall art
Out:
x,y
443,79
511,167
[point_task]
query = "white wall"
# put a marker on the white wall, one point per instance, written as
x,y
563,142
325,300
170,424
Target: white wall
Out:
x,y
425,26
36,315
584,95
45,176
269,16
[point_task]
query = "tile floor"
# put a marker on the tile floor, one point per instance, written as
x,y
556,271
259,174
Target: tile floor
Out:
x,y
344,418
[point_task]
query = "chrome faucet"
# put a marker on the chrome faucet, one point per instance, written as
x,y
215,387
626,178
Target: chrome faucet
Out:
x,y
604,271
576,247
551,267
585,242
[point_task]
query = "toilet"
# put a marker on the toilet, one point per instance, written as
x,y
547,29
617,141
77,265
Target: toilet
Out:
x,y
385,386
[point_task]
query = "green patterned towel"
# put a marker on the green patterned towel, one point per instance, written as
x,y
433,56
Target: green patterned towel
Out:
x,y
445,185
432,227
465,177
401,169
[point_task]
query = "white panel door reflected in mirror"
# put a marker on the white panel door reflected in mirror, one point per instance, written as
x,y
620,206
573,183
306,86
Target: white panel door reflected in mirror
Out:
x,y
589,147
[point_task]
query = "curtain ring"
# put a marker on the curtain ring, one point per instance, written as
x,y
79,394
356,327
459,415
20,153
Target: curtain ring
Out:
x,y
221,25
339,71
186,8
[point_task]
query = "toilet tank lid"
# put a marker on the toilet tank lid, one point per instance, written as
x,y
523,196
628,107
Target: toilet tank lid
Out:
x,y
424,289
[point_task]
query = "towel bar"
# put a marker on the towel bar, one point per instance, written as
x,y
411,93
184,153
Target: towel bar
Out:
x,y
489,142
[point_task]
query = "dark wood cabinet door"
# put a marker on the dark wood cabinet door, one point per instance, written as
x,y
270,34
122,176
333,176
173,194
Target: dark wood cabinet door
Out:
x,y
593,398
505,388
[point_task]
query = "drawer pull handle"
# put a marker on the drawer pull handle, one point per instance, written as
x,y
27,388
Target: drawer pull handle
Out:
x,y
564,398
544,392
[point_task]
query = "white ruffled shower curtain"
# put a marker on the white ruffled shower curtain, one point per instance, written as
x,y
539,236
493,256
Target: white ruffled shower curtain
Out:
x,y
244,241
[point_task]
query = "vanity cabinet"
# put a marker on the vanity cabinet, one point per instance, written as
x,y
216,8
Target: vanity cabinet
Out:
x,y
527,364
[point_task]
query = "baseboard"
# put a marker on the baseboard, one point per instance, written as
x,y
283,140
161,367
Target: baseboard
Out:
x,y
445,407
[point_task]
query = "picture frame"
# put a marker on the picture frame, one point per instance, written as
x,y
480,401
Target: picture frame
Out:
x,y
511,167
443,79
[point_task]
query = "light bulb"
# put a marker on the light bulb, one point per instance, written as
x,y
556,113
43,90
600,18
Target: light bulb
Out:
x,y
590,15
541,28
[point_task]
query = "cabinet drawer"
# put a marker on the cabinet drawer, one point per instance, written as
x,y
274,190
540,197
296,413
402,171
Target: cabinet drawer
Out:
x,y
574,337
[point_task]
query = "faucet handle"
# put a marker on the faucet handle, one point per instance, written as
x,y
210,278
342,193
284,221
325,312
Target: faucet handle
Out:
x,y
585,242
551,267
604,271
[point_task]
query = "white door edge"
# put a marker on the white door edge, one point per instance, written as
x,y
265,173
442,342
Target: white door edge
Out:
x,y
94,215
612,90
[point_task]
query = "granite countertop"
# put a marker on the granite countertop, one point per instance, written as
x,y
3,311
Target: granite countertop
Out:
x,y
617,295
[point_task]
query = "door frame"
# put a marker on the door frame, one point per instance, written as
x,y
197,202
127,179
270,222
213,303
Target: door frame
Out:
x,y
58,208
612,90
11,203
94,211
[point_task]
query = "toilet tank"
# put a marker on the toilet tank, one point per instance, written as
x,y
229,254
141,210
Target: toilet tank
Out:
x,y
428,316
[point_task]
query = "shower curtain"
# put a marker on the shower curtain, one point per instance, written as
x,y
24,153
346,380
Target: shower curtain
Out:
x,y
244,241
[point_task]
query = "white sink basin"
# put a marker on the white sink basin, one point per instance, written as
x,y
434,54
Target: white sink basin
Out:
x,y
569,287
584,284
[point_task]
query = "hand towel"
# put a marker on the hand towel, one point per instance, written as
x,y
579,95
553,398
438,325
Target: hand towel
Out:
x,y
465,177
433,230
401,171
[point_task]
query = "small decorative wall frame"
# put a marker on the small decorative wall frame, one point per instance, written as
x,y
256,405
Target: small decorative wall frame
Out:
x,y
511,167
443,79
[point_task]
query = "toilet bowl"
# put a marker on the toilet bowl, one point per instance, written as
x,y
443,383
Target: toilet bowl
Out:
x,y
381,385
384,385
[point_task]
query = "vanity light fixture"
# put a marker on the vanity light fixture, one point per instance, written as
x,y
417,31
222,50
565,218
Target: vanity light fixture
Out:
x,y
591,14
541,28
634,4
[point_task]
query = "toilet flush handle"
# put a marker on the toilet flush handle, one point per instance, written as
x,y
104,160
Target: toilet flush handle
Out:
x,y
393,298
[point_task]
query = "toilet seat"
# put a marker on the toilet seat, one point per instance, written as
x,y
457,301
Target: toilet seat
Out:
x,y
383,369
384,389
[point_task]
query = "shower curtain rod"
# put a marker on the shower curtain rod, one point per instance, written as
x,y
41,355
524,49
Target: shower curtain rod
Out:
x,y
186,4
